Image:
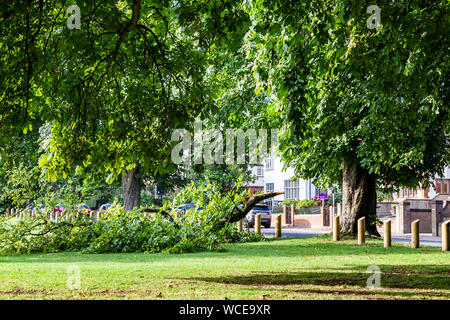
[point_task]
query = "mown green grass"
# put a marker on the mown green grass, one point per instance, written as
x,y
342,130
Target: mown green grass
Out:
x,y
302,268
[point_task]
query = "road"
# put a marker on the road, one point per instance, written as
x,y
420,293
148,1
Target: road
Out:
x,y
425,239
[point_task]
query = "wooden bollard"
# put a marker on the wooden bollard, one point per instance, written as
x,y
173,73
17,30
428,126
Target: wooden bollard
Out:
x,y
362,230
258,223
239,226
7,212
415,243
387,233
445,235
278,226
336,234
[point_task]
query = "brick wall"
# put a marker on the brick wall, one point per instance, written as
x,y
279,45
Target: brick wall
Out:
x,y
313,220
411,210
440,212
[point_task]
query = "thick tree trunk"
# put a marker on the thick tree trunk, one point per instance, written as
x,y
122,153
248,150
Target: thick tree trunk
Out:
x,y
131,186
359,199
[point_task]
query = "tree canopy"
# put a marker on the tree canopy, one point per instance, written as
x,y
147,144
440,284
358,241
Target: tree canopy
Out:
x,y
367,105
362,99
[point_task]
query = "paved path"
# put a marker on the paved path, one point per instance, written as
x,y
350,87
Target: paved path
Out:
x,y
425,239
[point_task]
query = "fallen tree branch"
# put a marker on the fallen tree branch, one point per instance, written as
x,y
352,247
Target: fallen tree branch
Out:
x,y
164,213
238,214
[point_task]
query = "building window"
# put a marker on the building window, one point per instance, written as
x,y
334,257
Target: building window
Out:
x,y
269,163
438,186
291,189
443,186
270,187
260,171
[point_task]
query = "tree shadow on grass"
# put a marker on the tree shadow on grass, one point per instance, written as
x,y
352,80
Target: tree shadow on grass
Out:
x,y
427,277
326,247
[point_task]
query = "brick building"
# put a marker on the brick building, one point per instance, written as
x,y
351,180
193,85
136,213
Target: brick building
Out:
x,y
441,186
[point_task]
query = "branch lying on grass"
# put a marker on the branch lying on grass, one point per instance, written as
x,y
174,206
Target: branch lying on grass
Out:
x,y
238,214
164,213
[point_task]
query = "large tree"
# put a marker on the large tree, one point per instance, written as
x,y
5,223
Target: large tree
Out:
x,y
114,88
363,102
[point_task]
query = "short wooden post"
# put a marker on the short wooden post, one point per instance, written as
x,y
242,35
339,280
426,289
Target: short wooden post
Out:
x,y
445,235
387,233
7,212
278,226
239,226
361,230
258,223
336,234
415,243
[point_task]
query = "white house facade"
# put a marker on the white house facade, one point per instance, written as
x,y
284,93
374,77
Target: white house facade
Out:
x,y
277,178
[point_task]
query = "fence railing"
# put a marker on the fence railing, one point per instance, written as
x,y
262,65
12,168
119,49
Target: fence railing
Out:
x,y
51,215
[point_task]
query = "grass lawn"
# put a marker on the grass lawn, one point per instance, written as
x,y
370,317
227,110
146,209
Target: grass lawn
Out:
x,y
301,268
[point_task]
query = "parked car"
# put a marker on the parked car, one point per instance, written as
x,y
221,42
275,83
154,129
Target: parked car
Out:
x,y
266,216
84,208
59,208
182,209
105,207
187,206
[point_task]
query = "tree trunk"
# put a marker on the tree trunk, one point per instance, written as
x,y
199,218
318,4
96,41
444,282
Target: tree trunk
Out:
x,y
131,186
359,199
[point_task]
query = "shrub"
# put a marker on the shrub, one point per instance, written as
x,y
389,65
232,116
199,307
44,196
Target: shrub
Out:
x,y
131,231
306,203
